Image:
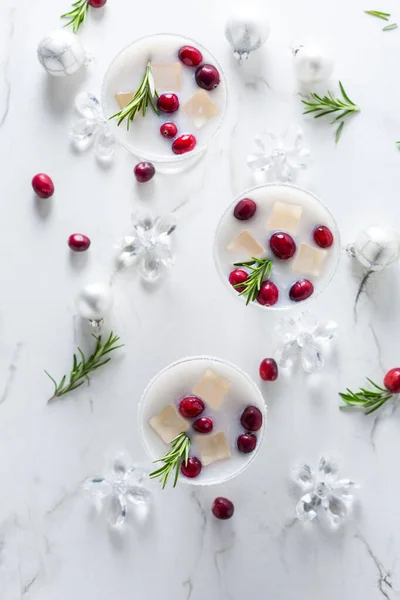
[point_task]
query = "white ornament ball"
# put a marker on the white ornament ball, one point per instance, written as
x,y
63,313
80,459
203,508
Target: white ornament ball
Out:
x,y
246,30
376,248
312,64
61,53
94,301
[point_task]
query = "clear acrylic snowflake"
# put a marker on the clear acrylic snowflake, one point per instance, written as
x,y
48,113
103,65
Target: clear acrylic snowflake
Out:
x,y
91,128
122,485
325,496
303,339
282,157
149,246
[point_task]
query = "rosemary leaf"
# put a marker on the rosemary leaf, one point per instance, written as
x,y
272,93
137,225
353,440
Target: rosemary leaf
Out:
x,y
172,460
368,400
339,132
77,15
260,270
390,27
378,14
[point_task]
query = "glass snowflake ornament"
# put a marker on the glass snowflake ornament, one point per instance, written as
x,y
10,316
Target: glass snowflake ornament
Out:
x,y
122,485
149,246
303,339
280,158
326,498
91,128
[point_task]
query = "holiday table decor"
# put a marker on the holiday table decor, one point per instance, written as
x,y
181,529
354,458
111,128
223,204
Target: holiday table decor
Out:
x,y
77,15
376,248
91,128
222,508
370,400
61,53
43,185
246,29
94,302
312,64
176,458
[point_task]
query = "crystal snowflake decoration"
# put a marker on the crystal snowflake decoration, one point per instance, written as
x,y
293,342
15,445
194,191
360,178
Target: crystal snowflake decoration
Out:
x,y
149,246
91,128
303,338
325,496
123,484
280,158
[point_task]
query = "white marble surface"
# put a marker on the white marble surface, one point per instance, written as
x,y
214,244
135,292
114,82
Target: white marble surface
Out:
x,y
49,546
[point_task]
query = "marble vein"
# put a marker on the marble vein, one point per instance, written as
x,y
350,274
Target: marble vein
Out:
x,y
10,19
378,347
384,576
12,368
360,291
188,582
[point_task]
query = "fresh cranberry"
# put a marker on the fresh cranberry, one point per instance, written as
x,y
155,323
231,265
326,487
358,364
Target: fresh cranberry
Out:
x,y
268,294
238,276
190,56
192,468
97,3
245,209
268,369
301,290
169,130
78,242
144,171
184,143
191,407
251,418
222,508
282,245
203,425
207,77
392,380
42,185
323,236
246,442
168,103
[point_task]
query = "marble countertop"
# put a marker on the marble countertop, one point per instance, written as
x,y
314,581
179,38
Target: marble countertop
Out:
x,y
50,547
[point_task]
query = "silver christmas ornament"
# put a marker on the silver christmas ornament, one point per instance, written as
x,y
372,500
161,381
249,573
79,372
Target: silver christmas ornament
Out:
x,y
312,64
246,30
376,248
61,53
94,302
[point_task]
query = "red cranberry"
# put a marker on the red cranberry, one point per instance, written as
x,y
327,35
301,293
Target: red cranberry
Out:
x,y
246,442
192,468
190,56
184,143
245,209
169,130
392,381
238,276
268,294
43,185
168,103
323,236
78,242
268,369
282,245
203,425
207,77
301,290
251,418
191,407
97,3
144,171
222,508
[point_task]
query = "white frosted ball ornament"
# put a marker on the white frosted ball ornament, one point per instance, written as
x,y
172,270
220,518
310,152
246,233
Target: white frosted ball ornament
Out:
x,y
94,302
312,64
246,30
61,53
376,248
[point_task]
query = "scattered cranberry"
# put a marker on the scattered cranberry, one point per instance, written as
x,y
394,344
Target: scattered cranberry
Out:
x,y
192,468
168,103
246,442
238,276
184,143
97,3
190,56
245,209
78,242
268,294
222,508
282,245
251,418
169,130
144,171
301,290
392,380
207,77
42,185
323,236
268,369
203,425
191,407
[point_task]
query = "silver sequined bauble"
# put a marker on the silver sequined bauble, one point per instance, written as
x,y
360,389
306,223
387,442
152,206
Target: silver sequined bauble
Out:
x,y
376,248
312,64
94,301
247,29
61,53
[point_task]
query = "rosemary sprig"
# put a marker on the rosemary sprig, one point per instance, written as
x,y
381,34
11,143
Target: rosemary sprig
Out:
x,y
328,104
81,368
378,13
145,95
173,460
390,27
77,15
368,400
398,145
260,269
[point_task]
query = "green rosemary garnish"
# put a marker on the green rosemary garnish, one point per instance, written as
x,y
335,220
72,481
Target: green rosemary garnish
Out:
x,y
390,27
398,145
378,13
173,460
328,104
145,95
81,368
368,400
260,269
77,15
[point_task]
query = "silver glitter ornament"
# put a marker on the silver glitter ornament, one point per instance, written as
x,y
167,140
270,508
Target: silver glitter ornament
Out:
x,y
376,248
247,29
94,302
61,53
